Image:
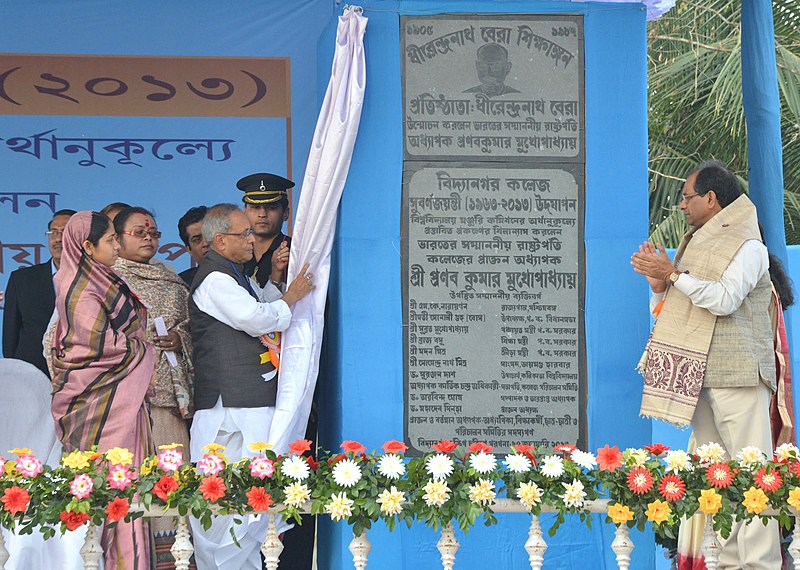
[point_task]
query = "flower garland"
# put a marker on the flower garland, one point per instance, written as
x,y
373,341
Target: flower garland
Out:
x,y
451,482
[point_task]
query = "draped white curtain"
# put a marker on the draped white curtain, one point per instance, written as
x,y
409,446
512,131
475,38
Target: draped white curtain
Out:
x,y
315,223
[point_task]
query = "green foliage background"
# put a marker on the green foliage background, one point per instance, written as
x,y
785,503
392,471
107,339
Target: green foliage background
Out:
x,y
695,104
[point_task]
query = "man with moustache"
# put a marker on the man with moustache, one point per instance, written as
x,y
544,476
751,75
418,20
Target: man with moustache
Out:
x,y
266,205
30,300
235,384
191,232
710,359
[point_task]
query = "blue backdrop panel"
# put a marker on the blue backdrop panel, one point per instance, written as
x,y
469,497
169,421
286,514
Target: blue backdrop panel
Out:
x,y
250,28
361,393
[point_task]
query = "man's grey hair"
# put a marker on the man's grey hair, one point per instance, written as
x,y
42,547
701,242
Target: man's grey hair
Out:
x,y
217,221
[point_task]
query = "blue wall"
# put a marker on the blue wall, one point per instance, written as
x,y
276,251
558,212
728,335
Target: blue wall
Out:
x,y
362,393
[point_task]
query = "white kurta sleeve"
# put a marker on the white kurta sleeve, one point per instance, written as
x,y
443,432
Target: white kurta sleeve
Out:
x,y
221,297
725,296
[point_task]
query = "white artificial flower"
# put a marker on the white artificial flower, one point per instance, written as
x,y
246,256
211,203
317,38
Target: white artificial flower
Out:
x,y
439,466
573,494
436,493
391,465
786,451
751,456
295,467
517,463
552,466
482,462
635,457
529,494
583,458
391,501
346,473
677,461
482,492
340,507
710,453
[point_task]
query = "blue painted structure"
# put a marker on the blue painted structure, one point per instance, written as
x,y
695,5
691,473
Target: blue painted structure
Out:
x,y
361,393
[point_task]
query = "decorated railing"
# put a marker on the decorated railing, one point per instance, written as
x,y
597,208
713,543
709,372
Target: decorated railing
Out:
x,y
446,487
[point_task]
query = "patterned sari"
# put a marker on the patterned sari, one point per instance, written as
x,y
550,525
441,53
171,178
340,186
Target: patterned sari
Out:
x,y
102,370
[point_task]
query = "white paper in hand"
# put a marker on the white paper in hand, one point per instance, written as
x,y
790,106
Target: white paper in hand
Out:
x,y
161,330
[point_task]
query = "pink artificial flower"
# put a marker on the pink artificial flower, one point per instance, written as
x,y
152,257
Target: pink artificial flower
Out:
x,y
81,487
170,459
261,467
119,477
210,464
29,466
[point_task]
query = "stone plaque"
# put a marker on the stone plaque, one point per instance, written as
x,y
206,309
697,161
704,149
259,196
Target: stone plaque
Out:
x,y
483,87
493,297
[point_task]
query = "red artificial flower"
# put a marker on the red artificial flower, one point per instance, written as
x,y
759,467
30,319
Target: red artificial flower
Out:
x,y
300,446
15,500
672,487
314,465
609,458
117,509
719,475
795,467
565,448
212,487
353,447
640,481
445,446
479,446
657,449
337,459
394,447
164,487
73,520
768,481
526,450
258,499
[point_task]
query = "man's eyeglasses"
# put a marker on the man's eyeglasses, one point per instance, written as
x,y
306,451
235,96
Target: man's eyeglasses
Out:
x,y
141,232
687,197
54,233
245,234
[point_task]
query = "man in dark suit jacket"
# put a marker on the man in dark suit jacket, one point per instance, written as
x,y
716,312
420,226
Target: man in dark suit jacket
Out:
x,y
30,299
189,228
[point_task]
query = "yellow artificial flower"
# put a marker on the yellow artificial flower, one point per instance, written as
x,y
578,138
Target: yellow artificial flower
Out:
x,y
170,446
148,465
755,500
391,501
119,456
619,514
794,498
10,467
710,501
21,451
482,492
260,446
213,448
529,495
340,507
296,494
658,511
75,460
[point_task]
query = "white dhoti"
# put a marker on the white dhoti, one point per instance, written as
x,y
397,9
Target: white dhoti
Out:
x,y
236,429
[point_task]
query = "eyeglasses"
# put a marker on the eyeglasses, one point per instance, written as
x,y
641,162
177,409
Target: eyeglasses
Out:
x,y
54,233
687,197
141,232
245,234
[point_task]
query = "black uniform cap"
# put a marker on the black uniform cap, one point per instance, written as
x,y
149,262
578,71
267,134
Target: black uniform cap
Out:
x,y
263,188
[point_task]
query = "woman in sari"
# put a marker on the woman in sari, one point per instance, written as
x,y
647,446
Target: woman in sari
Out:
x,y
166,296
102,366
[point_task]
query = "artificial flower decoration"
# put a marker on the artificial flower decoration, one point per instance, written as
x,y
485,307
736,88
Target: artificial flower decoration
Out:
x,y
657,449
258,499
21,451
658,511
755,500
75,460
768,479
296,468
751,456
517,463
574,494
564,448
710,453
439,466
28,465
300,446
81,487
296,494
391,501
553,466
346,473
480,447
164,487
117,509
634,457
436,493
710,502
170,459
119,456
530,495
445,446
259,446
211,464
719,475
794,498
483,462
119,477
213,488
640,481
73,520
15,500
340,507
353,447
394,447
619,514
678,461
583,459
482,492
786,451
391,466
261,467
609,458
672,487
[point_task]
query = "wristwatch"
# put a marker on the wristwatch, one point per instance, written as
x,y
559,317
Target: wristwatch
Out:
x,y
673,277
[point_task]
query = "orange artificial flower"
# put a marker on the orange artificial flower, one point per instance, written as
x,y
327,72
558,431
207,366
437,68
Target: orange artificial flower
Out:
x,y
300,446
394,447
213,488
609,458
479,446
352,447
73,520
258,499
164,487
117,509
15,500
445,446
